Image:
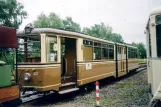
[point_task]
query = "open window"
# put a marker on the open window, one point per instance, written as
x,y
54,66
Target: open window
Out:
x,y
111,52
29,49
97,51
105,51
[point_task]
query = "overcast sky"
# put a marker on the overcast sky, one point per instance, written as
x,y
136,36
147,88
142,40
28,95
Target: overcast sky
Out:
x,y
127,17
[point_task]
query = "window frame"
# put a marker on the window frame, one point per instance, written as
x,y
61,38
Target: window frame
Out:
x,y
25,58
47,44
158,54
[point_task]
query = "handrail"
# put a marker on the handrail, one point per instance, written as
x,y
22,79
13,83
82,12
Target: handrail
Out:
x,y
74,65
66,63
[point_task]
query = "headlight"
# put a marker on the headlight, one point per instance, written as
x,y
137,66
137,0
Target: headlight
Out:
x,y
27,76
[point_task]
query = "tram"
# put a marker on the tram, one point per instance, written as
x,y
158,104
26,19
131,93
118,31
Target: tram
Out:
x,y
153,38
9,89
62,61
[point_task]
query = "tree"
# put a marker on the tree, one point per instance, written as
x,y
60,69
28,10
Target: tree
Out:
x,y
104,32
141,49
50,21
69,24
117,38
99,30
12,13
54,21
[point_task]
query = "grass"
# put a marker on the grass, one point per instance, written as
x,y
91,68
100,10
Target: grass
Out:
x,y
142,61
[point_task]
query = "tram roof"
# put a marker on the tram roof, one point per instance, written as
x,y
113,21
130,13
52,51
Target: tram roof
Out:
x,y
156,10
64,32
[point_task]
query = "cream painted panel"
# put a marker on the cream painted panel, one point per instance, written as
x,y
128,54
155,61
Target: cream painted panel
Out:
x,y
156,75
43,48
153,35
147,43
59,49
79,49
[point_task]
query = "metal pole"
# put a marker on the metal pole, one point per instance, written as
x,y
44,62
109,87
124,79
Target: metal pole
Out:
x,y
97,94
16,68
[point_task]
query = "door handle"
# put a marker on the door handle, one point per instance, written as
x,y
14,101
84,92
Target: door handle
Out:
x,y
74,65
148,63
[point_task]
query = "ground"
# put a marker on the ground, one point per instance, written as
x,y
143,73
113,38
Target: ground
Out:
x,y
129,91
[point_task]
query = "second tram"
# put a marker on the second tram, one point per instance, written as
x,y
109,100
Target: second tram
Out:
x,y
153,38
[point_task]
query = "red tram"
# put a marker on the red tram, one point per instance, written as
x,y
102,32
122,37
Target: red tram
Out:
x,y
9,89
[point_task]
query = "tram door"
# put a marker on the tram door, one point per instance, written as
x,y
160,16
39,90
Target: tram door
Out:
x,y
68,52
124,59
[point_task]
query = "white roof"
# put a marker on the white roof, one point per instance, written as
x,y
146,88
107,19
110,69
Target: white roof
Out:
x,y
156,10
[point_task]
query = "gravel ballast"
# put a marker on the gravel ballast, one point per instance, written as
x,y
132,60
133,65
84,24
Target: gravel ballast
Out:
x,y
129,91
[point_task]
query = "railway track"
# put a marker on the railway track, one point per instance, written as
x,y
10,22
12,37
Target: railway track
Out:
x,y
31,96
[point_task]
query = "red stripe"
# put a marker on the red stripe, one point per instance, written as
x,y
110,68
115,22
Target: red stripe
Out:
x,y
97,91
97,98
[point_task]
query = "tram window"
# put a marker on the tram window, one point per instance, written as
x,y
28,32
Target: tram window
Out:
x,y
29,49
51,48
104,53
119,50
87,43
111,53
129,53
33,48
97,53
132,53
20,56
158,39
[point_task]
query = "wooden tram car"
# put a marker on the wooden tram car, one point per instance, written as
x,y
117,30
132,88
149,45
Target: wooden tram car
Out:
x,y
9,89
62,61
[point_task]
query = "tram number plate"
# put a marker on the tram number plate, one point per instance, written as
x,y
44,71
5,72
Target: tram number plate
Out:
x,y
88,66
35,73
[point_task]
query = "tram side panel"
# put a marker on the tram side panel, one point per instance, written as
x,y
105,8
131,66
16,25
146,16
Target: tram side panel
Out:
x,y
90,72
132,64
42,78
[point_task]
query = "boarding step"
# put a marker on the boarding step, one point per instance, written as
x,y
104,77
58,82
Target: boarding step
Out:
x,y
68,90
67,84
68,79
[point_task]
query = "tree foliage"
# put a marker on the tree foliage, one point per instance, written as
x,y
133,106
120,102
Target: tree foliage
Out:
x,y
98,30
54,21
50,21
69,24
104,32
141,49
12,13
